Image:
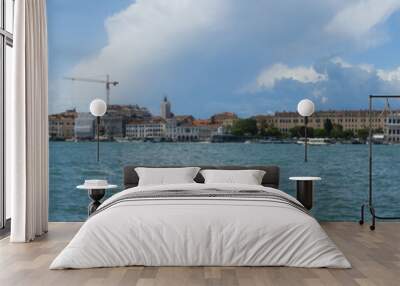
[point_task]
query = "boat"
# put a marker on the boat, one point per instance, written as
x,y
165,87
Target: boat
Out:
x,y
276,141
315,141
121,139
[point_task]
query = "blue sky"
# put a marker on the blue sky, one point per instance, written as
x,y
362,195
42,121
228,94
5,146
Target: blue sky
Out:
x,y
250,57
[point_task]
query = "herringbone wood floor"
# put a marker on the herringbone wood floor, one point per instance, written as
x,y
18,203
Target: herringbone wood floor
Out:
x,y
375,257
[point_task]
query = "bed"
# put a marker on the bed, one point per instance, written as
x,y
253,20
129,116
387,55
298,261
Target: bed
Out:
x,y
198,224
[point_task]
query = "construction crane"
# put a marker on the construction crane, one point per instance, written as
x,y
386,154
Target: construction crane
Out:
x,y
108,83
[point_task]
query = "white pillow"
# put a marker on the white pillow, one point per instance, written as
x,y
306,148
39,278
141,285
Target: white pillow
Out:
x,y
248,177
165,176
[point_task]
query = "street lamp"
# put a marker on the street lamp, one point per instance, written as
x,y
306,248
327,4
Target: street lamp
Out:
x,y
305,108
98,108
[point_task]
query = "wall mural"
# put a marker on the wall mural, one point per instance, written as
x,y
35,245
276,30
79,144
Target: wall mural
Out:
x,y
209,82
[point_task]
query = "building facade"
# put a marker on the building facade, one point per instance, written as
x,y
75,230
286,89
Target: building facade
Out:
x,y
112,124
61,126
165,109
131,111
391,130
181,131
84,128
225,118
162,129
349,120
154,129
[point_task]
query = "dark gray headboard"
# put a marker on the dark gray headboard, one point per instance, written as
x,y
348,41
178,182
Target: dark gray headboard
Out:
x,y
271,177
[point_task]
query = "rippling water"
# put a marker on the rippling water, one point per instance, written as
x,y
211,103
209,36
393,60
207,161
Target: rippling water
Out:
x,y
343,168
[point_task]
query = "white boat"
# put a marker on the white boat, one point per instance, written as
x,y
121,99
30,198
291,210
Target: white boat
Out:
x,y
121,139
315,141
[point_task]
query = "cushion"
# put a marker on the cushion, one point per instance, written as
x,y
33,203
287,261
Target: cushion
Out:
x,y
163,176
248,177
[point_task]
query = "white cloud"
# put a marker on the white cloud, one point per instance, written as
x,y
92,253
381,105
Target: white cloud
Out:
x,y
344,64
359,18
141,40
271,75
319,95
200,52
341,62
389,75
332,83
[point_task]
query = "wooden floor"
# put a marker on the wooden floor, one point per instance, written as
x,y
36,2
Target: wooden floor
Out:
x,y
375,257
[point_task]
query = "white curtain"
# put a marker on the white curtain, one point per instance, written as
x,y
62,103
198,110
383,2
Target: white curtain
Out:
x,y
27,148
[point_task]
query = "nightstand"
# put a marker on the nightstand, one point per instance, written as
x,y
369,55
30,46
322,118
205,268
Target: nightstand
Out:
x,y
96,192
304,188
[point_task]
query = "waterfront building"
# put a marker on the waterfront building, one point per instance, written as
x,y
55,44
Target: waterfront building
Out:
x,y
165,109
186,133
153,129
55,127
181,131
159,128
70,124
353,120
206,129
391,129
225,118
112,124
201,122
184,119
131,111
187,128
84,126
61,125
265,121
206,132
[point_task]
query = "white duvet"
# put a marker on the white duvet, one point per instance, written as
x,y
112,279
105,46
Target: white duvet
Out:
x,y
200,231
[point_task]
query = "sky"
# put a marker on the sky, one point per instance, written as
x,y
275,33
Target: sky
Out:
x,y
249,57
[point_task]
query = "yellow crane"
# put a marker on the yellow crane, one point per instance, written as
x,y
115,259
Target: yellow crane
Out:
x,y
107,82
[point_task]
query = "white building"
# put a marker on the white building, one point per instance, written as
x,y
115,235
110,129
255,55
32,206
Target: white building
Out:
x,y
392,128
184,132
206,132
165,109
166,129
153,130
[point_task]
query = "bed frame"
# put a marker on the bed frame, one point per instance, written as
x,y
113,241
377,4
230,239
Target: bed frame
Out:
x,y
270,179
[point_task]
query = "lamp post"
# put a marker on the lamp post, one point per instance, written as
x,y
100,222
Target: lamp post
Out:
x,y
98,108
305,108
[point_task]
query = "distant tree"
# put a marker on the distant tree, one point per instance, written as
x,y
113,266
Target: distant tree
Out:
x,y
262,132
298,131
273,132
320,133
294,132
348,134
228,129
338,127
243,127
310,131
362,134
262,128
328,126
337,131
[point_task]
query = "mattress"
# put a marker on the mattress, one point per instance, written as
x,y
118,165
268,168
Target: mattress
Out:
x,y
201,225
